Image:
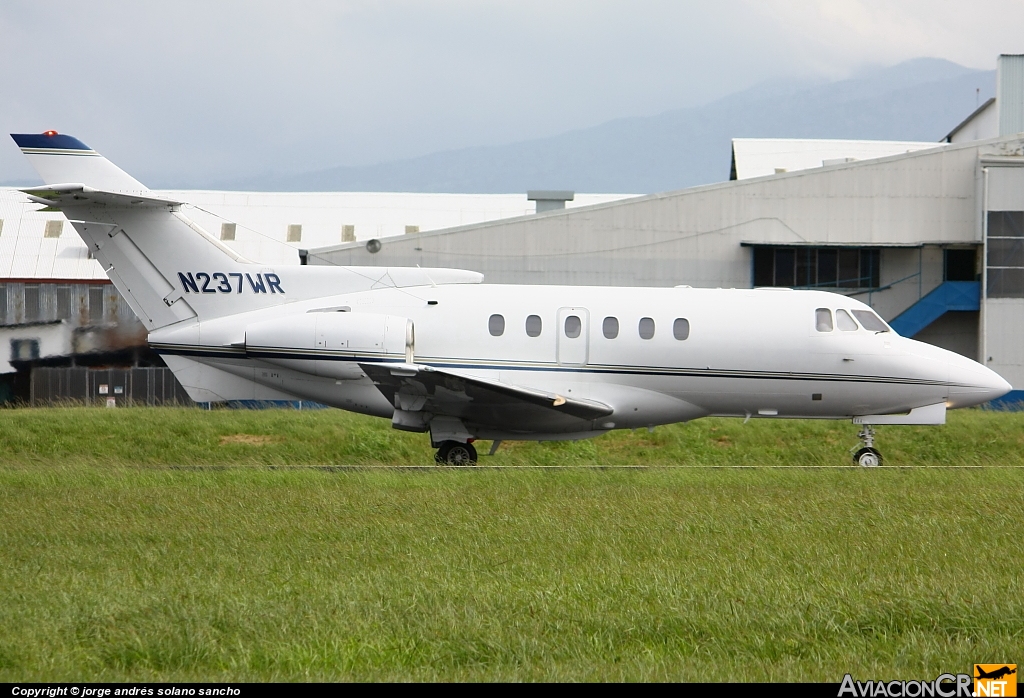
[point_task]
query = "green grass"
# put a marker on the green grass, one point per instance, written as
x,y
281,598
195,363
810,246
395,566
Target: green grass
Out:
x,y
163,436
115,567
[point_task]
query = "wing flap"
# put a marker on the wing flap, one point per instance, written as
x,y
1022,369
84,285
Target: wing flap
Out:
x,y
416,387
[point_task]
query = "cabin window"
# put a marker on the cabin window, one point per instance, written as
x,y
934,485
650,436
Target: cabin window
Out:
x,y
681,328
533,326
573,326
496,325
823,320
844,321
871,322
610,327
646,327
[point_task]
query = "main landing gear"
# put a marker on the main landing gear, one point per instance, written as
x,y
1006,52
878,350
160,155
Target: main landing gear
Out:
x,y
455,453
867,456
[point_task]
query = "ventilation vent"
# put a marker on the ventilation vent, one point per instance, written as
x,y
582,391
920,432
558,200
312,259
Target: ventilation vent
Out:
x,y
294,233
53,229
411,229
227,231
348,233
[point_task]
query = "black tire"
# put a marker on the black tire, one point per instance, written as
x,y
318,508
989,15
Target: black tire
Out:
x,y
441,457
868,458
456,453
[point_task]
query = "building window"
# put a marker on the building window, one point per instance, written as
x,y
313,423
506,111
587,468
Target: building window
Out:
x,y
24,349
817,267
573,326
63,302
1,226
95,304
533,326
348,233
496,325
960,265
646,328
294,233
227,231
53,229
1005,254
31,303
410,229
681,328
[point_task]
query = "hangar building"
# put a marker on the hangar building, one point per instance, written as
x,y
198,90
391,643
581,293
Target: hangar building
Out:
x,y
931,235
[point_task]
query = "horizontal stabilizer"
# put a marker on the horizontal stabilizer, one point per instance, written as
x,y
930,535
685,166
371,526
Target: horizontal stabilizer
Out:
x,y
418,388
61,195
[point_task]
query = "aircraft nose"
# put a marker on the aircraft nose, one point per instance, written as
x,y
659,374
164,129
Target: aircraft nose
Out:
x,y
970,383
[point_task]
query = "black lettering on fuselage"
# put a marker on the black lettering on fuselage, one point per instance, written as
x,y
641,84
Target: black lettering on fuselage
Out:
x,y
223,286
257,286
205,278
188,282
220,282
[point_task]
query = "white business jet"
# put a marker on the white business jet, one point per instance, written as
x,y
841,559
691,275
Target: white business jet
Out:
x,y
435,351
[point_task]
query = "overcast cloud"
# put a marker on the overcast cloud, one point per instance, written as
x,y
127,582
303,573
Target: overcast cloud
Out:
x,y
183,91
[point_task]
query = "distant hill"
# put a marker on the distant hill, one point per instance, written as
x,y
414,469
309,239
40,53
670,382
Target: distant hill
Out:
x,y
922,100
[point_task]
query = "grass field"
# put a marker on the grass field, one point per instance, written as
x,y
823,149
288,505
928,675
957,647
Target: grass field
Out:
x,y
156,544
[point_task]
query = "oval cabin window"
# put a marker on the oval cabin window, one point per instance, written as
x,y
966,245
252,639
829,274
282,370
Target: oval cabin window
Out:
x,y
681,328
610,327
646,327
573,325
496,325
533,326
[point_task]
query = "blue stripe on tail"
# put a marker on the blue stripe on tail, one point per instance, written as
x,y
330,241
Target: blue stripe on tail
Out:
x,y
57,141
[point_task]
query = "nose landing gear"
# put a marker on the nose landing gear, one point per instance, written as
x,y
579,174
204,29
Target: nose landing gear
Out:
x,y
867,455
455,453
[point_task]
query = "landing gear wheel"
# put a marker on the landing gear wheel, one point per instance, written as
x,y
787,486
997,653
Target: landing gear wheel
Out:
x,y
868,458
455,453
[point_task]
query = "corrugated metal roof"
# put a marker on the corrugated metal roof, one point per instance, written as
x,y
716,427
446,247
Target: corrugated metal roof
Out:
x,y
261,223
758,157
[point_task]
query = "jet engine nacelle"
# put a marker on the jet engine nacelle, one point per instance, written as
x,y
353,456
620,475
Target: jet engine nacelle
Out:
x,y
331,343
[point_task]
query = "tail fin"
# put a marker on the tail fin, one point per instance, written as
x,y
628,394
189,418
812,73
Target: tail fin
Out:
x,y
59,158
143,242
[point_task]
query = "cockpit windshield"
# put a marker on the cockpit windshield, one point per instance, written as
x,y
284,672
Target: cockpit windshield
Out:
x,y
871,322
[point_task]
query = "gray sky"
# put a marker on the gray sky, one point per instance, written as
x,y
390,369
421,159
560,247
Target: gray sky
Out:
x,y
186,89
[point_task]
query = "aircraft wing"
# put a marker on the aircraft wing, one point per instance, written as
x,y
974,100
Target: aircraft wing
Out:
x,y
60,195
415,387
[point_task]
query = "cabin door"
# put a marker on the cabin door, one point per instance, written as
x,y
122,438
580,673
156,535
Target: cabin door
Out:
x,y
573,336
